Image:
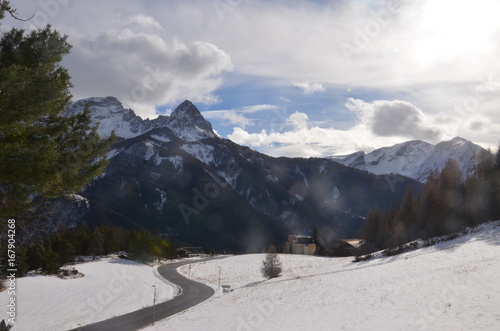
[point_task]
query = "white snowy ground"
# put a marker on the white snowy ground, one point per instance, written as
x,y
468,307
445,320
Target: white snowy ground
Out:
x,y
451,286
110,287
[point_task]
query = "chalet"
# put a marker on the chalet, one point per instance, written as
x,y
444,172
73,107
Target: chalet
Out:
x,y
190,251
340,247
299,245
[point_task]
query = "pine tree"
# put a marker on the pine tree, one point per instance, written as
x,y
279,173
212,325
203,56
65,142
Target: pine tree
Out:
x,y
80,238
453,193
33,258
485,165
405,224
371,228
22,262
96,244
387,225
111,242
64,248
6,8
495,182
482,190
430,208
271,266
450,177
49,259
315,236
497,158
43,154
140,246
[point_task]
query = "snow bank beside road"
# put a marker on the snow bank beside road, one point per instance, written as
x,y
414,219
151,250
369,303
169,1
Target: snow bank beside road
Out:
x,y
110,287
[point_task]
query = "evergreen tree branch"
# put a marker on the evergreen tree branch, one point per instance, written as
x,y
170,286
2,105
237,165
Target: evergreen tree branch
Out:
x,y
5,7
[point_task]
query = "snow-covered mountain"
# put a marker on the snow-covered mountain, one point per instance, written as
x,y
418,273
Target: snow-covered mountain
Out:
x,y
415,159
174,175
185,121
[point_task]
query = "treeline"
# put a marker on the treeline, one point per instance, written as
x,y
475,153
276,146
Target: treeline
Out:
x,y
447,204
65,246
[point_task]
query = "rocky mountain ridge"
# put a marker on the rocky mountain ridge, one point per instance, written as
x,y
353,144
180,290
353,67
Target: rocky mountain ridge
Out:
x,y
185,121
415,159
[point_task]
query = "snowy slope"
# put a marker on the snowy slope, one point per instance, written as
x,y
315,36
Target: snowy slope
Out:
x,y
414,158
451,286
110,287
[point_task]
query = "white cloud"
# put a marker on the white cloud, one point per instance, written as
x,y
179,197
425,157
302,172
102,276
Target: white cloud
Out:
x,y
258,108
422,52
394,119
397,43
311,142
238,116
380,123
298,121
394,41
144,21
285,99
309,88
143,70
207,99
228,117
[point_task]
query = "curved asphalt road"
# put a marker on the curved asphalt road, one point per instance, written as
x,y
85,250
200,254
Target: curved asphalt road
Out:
x,y
192,294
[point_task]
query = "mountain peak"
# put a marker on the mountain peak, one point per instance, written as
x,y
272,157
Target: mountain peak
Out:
x,y
188,111
187,121
99,106
186,108
415,158
458,141
111,116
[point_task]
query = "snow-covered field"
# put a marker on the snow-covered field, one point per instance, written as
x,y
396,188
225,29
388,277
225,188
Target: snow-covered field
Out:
x,y
454,285
451,286
110,287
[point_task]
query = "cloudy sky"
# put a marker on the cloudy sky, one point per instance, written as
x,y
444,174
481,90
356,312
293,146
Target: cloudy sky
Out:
x,y
291,77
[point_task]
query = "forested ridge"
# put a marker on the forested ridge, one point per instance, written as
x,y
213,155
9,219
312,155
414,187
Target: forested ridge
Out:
x,y
447,204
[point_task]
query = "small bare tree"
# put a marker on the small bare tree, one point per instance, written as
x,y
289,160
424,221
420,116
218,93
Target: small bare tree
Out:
x,y
271,266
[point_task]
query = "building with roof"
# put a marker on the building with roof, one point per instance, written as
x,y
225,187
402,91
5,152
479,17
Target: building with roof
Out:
x,y
297,244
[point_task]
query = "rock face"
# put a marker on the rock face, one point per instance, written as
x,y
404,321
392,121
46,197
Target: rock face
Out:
x,y
415,159
173,175
188,123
